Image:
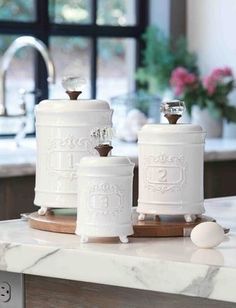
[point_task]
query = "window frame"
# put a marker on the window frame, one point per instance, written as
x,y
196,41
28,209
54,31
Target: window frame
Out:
x,y
42,29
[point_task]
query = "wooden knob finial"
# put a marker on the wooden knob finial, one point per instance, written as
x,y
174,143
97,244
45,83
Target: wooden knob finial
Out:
x,y
103,149
73,95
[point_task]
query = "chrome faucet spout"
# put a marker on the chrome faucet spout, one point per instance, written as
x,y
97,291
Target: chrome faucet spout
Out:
x,y
19,43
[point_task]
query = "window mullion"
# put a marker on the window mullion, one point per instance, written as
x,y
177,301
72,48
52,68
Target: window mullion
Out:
x,y
42,28
43,34
93,72
142,22
94,11
93,67
142,15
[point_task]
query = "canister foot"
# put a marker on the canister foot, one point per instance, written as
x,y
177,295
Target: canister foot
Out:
x,y
141,216
124,239
43,210
83,239
189,218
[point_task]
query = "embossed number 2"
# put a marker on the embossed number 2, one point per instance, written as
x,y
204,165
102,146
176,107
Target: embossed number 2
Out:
x,y
162,175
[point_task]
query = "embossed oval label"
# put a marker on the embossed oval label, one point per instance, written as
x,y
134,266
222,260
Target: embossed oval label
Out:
x,y
164,174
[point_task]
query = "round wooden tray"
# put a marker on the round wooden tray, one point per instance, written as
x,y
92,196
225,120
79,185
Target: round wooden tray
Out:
x,y
165,226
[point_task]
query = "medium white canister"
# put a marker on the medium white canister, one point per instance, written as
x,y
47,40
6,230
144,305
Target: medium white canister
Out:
x,y
171,158
63,130
105,197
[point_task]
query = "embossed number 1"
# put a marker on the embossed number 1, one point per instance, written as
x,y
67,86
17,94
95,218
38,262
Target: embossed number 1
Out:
x,y
162,175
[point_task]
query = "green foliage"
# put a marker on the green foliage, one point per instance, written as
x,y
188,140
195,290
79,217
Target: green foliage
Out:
x,y
160,57
193,96
219,102
109,12
112,12
19,10
109,48
182,57
229,113
69,11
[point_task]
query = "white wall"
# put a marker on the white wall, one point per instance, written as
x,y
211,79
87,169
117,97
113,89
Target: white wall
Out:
x,y
211,32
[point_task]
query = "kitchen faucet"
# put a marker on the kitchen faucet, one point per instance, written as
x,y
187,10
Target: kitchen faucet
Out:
x,y
17,44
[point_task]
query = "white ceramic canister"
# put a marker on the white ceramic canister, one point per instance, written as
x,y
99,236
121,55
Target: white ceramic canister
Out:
x,y
105,197
171,158
63,130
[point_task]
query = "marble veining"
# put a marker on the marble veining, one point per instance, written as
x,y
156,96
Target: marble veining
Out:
x,y
203,286
172,265
40,260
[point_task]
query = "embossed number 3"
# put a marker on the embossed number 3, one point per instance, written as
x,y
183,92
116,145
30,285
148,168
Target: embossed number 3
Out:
x,y
162,175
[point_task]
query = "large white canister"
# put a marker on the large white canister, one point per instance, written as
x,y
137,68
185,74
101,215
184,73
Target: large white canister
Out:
x,y
105,197
171,158
63,129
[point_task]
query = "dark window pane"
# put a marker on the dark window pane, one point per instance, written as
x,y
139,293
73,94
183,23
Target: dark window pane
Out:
x,y
116,12
17,10
20,75
70,11
71,56
116,66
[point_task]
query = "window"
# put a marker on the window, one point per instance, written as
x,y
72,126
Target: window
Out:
x,y
98,39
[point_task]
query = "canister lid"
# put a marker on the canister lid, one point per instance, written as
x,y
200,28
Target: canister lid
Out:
x,y
110,161
65,105
171,128
171,134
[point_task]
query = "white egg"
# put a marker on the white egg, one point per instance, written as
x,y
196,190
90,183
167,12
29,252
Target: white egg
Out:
x,y
207,235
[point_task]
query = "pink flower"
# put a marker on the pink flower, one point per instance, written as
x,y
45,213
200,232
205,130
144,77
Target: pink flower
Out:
x,y
227,71
209,84
211,81
219,73
181,78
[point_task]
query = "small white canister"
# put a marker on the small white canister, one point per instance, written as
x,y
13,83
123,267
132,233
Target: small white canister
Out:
x,y
171,158
63,130
105,197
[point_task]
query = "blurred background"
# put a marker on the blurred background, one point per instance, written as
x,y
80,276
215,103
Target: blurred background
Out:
x,y
122,47
132,53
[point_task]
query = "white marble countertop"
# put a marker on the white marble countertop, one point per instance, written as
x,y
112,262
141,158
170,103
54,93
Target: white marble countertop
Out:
x,y
172,265
16,161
